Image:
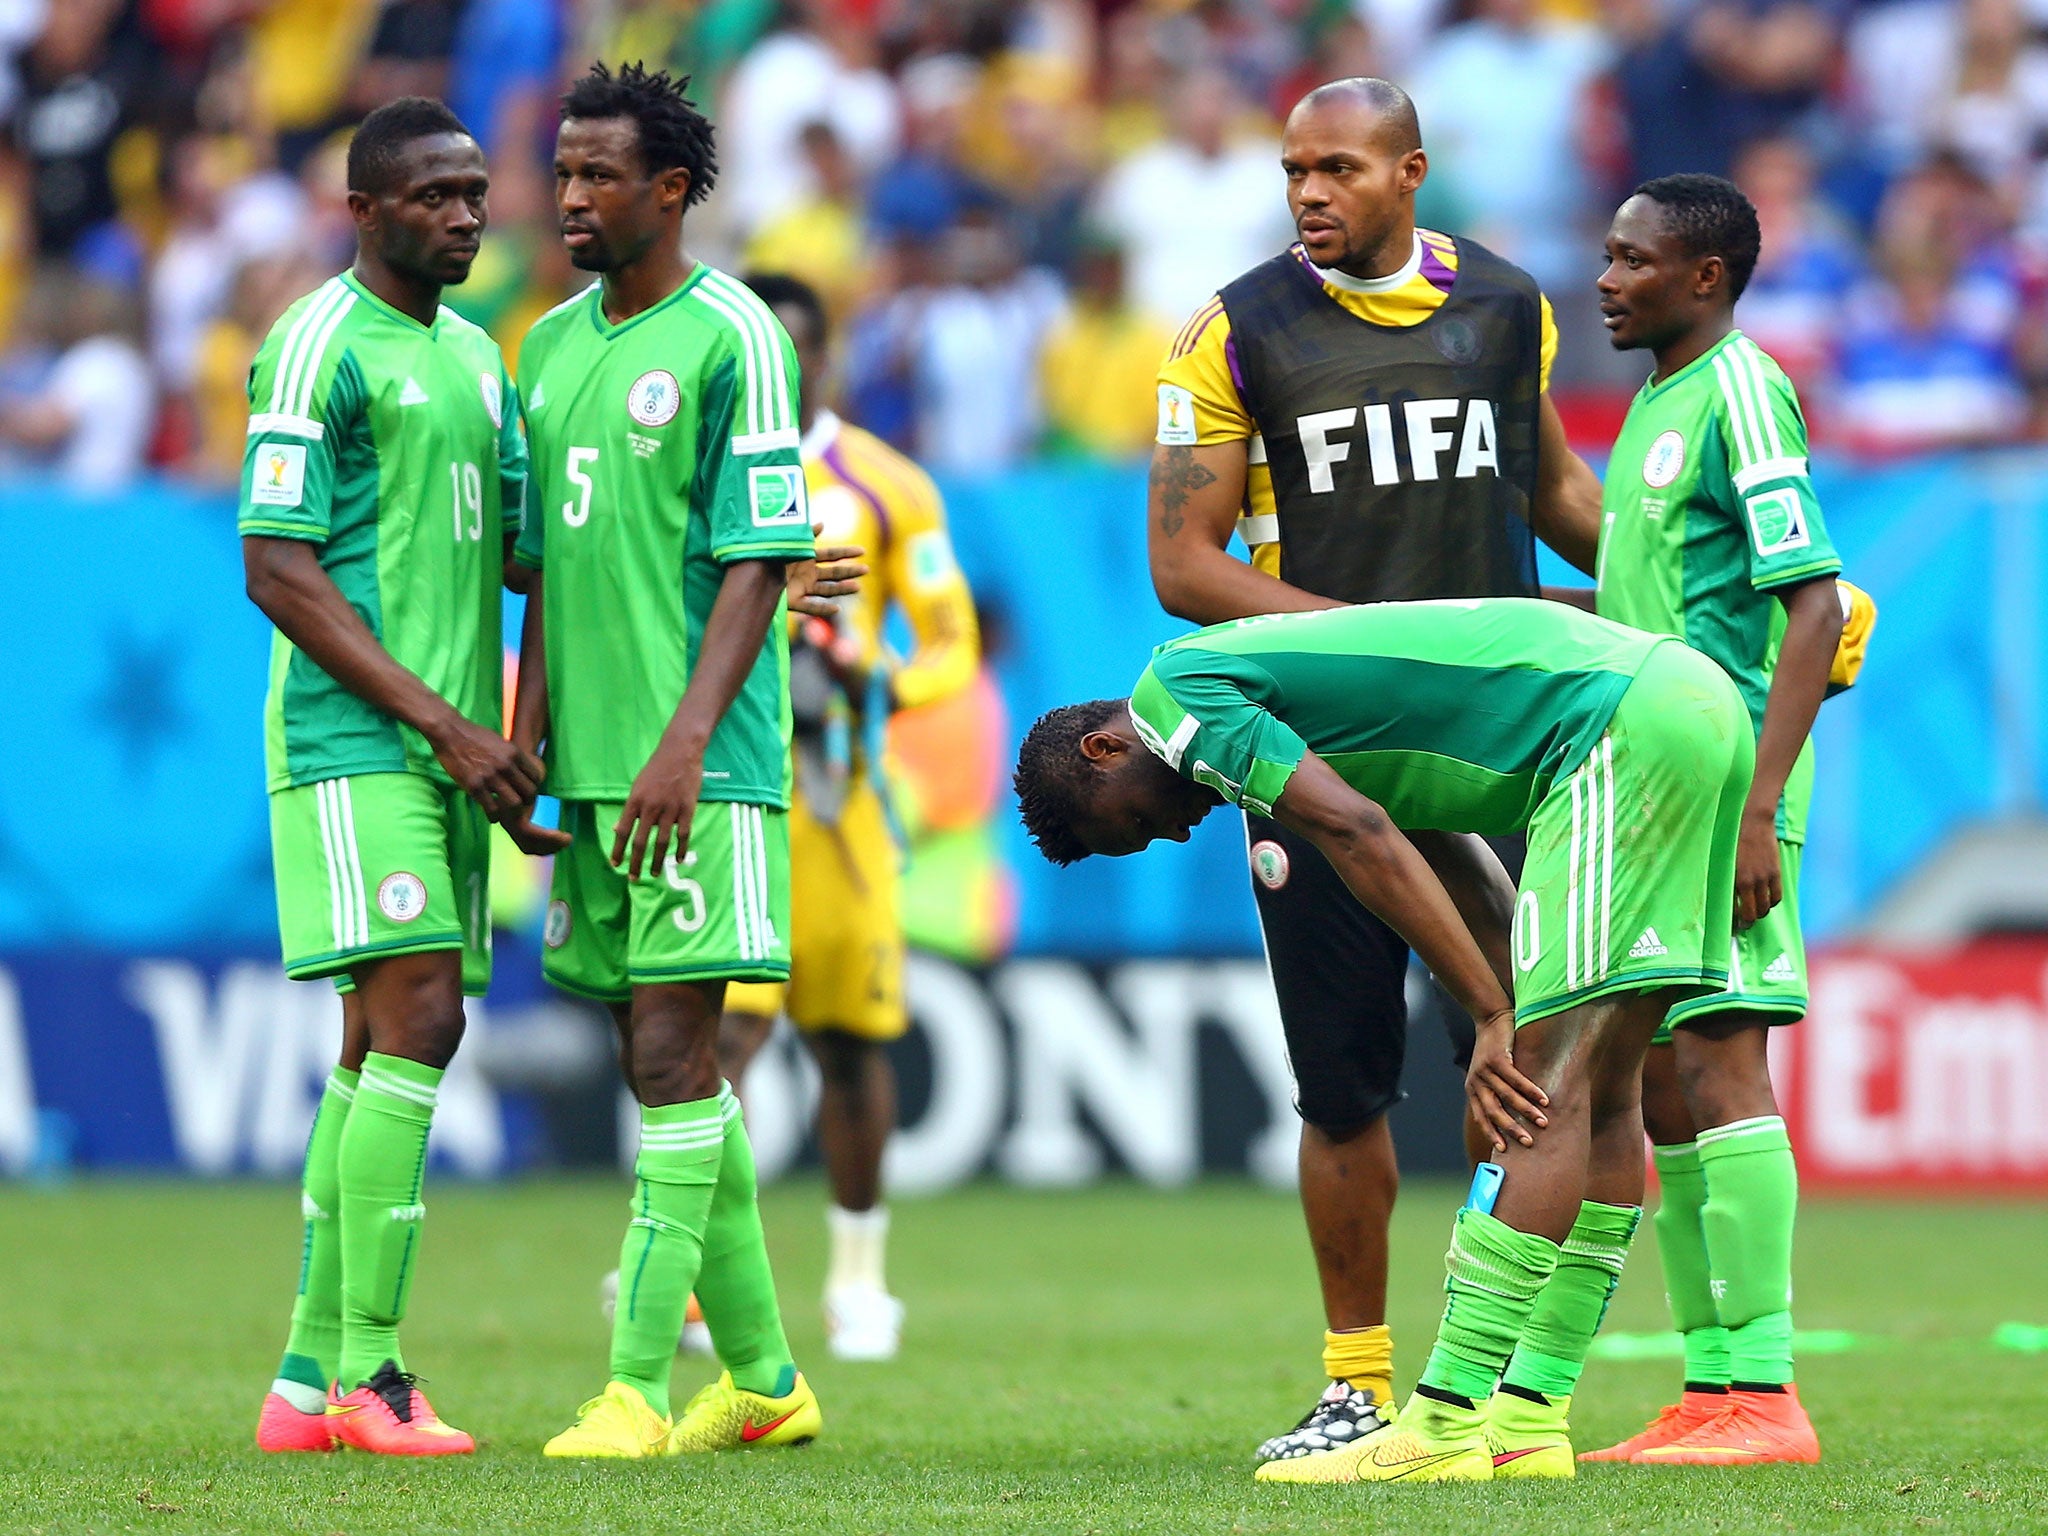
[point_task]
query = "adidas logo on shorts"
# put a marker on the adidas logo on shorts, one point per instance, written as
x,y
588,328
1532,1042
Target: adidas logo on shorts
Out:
x,y
1647,946
1780,969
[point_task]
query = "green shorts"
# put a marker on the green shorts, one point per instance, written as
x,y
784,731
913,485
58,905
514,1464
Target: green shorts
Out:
x,y
721,913
1630,879
1767,966
380,864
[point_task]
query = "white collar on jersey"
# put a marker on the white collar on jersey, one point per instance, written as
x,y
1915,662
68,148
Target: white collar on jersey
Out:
x,y
823,434
1387,284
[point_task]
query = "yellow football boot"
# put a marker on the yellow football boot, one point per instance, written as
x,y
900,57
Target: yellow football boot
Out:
x,y
617,1424
724,1417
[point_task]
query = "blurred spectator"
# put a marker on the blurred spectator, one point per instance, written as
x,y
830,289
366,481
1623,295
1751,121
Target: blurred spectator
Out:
x,y
410,53
1928,355
1501,98
1194,210
1998,112
923,190
813,68
501,80
84,73
21,23
263,289
1100,364
960,359
1792,307
223,212
88,422
819,238
1696,83
303,56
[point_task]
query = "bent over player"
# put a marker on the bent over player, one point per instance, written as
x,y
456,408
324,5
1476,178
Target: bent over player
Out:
x,y
846,945
1626,757
1368,411
668,500
382,481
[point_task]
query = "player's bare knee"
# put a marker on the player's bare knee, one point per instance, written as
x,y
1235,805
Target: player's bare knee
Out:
x,y
844,1059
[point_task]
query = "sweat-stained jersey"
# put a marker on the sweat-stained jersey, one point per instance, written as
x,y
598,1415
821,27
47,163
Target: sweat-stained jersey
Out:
x,y
664,450
1454,715
1200,401
395,448
1707,514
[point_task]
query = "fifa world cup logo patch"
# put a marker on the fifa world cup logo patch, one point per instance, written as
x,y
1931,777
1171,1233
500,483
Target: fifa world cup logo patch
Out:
x,y
277,475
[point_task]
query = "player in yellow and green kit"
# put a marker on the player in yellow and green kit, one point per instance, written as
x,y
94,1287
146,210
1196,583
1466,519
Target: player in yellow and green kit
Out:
x,y
1386,736
668,498
1711,532
382,482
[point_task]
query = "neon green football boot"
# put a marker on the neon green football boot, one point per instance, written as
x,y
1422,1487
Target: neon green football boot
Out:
x,y
1528,1438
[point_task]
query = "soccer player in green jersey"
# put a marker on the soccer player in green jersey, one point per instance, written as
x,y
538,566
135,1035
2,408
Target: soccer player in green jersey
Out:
x,y
1386,735
382,484
668,499
1711,532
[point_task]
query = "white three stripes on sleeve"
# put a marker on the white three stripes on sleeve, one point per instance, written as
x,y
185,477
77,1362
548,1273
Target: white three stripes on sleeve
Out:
x,y
770,422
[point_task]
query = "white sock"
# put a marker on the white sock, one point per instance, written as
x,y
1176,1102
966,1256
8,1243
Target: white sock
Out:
x,y
859,1244
302,1397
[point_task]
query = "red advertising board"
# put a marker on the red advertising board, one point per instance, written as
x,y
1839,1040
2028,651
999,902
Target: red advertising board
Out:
x,y
1921,1070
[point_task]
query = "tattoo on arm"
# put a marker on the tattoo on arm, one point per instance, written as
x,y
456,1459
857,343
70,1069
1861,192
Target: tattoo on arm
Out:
x,y
1175,477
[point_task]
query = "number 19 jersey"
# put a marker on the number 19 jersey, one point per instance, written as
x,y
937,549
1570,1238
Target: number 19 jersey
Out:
x,y
394,447
664,450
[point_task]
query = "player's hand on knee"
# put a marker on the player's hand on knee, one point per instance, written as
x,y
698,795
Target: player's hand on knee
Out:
x,y
655,823
1759,871
1506,1103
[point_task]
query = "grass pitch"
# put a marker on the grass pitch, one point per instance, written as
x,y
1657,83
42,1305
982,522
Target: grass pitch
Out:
x,y
1094,1362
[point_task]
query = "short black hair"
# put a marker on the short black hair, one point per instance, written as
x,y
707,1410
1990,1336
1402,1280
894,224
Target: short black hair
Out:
x,y
673,133
778,290
1711,217
381,138
1052,776
1393,106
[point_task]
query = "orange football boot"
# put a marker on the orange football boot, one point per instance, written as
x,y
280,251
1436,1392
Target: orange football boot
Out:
x,y
1754,1429
391,1416
1674,1422
284,1428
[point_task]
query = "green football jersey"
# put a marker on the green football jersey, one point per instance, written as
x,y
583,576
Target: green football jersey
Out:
x,y
1454,715
1707,513
664,450
396,448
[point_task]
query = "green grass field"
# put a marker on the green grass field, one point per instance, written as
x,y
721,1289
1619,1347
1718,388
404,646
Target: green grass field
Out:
x,y
1092,1362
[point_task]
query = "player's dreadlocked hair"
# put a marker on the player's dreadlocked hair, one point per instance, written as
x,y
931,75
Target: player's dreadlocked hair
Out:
x,y
1712,218
374,152
1051,776
673,133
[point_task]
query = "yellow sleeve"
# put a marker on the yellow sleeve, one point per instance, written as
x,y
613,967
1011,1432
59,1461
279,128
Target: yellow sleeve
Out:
x,y
1549,345
1198,400
924,580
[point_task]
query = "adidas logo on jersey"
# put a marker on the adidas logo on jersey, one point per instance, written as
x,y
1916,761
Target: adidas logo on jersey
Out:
x,y
1647,946
1781,969
412,394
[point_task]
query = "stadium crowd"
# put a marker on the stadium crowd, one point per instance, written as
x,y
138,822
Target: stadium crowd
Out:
x,y
1011,204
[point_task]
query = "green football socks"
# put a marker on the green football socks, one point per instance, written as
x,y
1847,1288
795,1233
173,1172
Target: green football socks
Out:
x,y
1572,1302
1491,1276
676,1178
1688,1278
382,1164
736,1287
313,1351
1752,1200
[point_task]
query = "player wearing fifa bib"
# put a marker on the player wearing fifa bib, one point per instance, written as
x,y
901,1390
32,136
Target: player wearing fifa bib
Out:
x,y
1386,735
1711,532
383,480
668,499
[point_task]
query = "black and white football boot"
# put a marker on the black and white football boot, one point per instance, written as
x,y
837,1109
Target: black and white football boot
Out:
x,y
1342,1416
